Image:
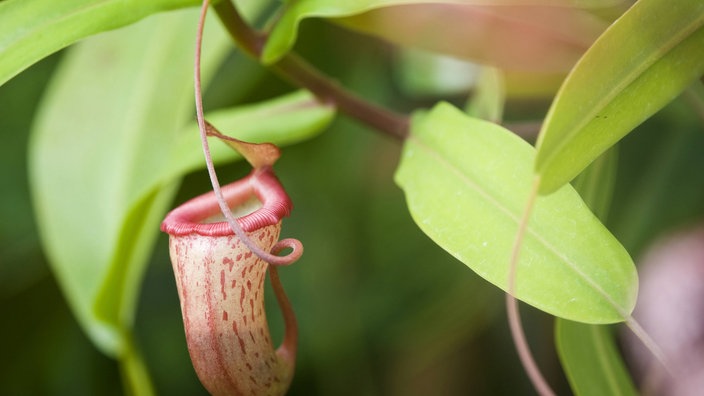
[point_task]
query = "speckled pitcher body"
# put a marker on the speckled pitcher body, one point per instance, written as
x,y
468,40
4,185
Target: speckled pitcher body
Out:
x,y
221,287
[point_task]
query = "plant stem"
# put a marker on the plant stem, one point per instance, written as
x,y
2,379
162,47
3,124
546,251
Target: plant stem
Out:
x,y
299,72
289,345
295,245
514,318
134,372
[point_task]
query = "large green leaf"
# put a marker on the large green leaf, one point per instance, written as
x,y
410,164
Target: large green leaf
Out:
x,y
645,59
33,29
116,103
591,360
466,183
284,34
112,138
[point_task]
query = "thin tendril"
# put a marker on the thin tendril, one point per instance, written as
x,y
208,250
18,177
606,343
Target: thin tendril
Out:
x,y
224,207
288,348
514,318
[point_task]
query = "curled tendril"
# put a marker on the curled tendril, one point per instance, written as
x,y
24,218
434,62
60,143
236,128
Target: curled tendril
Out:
x,y
294,244
289,243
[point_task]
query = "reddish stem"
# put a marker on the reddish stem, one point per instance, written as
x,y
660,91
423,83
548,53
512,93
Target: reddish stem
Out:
x,y
295,69
266,256
289,346
514,318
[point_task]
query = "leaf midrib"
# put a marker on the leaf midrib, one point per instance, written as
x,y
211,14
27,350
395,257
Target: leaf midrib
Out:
x,y
629,78
497,204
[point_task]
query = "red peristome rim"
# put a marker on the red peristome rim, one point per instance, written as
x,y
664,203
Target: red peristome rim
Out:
x,y
187,218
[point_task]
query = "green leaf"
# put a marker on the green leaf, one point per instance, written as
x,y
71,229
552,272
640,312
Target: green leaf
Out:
x,y
114,134
93,160
695,97
96,151
466,183
285,120
33,29
643,61
283,36
591,360
587,352
489,96
423,74
659,187
596,183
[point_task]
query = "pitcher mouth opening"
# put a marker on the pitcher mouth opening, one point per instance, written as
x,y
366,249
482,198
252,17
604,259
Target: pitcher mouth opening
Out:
x,y
258,199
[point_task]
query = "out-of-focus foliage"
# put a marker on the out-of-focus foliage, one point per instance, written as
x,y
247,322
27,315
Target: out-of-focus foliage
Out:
x,y
588,353
33,29
99,212
528,35
659,53
466,181
393,326
512,37
383,310
98,250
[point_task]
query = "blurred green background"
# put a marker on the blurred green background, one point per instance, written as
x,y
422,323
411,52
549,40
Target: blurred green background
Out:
x,y
382,310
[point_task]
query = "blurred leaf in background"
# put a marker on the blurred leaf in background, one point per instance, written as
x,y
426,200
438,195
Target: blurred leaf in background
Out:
x,y
383,310
39,333
99,210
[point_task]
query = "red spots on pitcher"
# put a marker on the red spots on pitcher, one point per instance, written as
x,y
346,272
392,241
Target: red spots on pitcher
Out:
x,y
242,299
222,285
242,348
229,262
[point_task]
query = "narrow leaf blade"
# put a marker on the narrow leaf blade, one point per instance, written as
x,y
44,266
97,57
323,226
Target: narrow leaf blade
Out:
x,y
596,183
588,353
591,360
645,59
33,29
466,182
489,97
